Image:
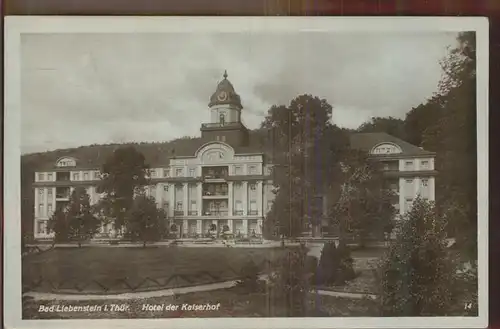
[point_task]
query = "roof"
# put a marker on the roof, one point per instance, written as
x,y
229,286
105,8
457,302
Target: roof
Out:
x,y
225,94
367,141
156,154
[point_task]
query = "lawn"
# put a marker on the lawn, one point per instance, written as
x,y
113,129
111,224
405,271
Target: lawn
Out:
x,y
108,270
233,303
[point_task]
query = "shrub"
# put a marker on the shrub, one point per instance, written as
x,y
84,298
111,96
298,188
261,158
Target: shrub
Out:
x,y
250,276
417,272
291,283
335,265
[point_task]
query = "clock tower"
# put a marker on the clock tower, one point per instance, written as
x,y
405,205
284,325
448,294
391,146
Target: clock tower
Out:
x,y
225,116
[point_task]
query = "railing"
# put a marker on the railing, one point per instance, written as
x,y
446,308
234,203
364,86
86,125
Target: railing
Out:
x,y
178,212
238,212
253,212
215,213
215,176
220,124
209,193
193,212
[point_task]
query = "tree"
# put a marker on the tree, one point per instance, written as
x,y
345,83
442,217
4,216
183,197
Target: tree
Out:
x,y
420,118
123,177
390,125
145,221
290,284
453,138
301,161
361,203
76,222
417,273
335,265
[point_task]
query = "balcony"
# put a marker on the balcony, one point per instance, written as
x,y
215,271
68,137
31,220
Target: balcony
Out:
x,y
193,212
220,125
214,173
63,193
221,212
215,193
62,176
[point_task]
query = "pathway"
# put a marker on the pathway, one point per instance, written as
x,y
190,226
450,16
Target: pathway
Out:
x,y
171,292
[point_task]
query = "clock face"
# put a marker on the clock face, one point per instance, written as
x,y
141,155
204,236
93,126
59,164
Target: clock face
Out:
x,y
222,96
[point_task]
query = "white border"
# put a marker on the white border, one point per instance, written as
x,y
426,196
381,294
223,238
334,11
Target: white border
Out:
x,y
14,26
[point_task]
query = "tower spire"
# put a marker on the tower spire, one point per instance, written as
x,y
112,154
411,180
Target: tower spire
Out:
x,y
225,74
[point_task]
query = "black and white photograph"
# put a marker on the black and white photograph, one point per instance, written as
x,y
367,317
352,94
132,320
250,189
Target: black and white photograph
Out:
x,y
288,172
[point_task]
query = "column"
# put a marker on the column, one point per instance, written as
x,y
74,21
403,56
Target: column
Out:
x,y
230,224
35,222
401,195
199,198
185,206
259,198
259,226
431,188
244,229
171,200
185,226
199,229
230,200
245,198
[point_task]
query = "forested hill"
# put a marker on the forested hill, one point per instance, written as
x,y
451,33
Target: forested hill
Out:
x,y
154,152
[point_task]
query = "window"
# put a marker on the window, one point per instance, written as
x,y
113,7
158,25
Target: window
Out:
x,y
76,176
252,170
86,176
425,164
409,181
97,175
238,205
425,182
253,205
42,227
49,193
178,205
222,119
49,177
49,209
178,172
223,138
40,192
269,205
408,202
165,188
40,209
166,206
253,187
192,172
179,188
153,173
218,138
166,172
386,166
238,170
409,164
41,176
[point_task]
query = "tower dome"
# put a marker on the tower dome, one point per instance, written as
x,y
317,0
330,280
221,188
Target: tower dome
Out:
x,y
225,94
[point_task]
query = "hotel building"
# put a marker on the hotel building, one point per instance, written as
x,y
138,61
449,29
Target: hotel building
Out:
x,y
222,178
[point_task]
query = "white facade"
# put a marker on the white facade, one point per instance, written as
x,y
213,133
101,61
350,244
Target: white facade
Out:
x,y
410,176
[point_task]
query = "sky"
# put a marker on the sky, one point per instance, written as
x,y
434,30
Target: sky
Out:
x,y
82,89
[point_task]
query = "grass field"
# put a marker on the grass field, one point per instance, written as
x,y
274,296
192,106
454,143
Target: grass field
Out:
x,y
105,270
